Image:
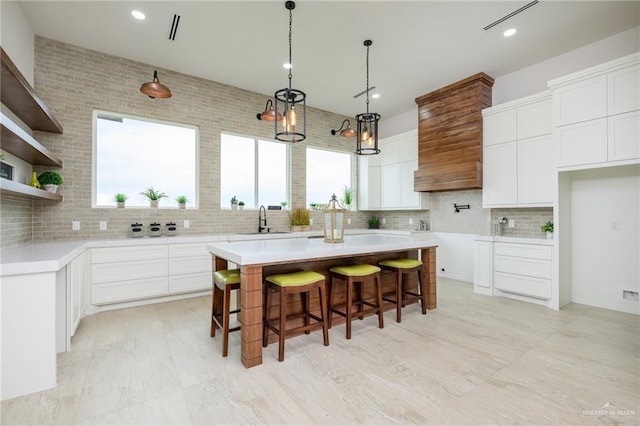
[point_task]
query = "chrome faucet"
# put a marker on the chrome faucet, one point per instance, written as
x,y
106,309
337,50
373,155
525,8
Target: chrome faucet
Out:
x,y
262,219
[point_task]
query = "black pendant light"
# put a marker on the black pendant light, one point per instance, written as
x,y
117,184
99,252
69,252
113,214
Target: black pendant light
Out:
x,y
367,123
155,89
345,132
289,108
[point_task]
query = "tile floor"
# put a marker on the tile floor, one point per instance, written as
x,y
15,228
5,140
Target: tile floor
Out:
x,y
475,360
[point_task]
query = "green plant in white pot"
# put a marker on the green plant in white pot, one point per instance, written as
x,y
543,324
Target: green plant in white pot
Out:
x,y
241,205
548,228
347,197
234,203
120,200
182,201
153,196
50,181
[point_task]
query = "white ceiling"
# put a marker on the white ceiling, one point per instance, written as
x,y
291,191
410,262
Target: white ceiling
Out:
x,y
418,46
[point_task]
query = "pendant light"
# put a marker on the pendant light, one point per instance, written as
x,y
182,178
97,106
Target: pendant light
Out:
x,y
367,123
345,132
155,89
290,110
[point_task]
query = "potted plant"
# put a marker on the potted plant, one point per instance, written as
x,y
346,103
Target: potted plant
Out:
x,y
548,228
374,223
283,204
300,219
120,200
347,197
153,196
182,201
241,205
234,203
50,181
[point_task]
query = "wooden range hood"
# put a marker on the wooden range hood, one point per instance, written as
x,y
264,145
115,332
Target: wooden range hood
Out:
x,y
450,135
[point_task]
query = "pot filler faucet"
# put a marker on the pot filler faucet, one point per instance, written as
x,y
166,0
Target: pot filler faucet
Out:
x,y
262,219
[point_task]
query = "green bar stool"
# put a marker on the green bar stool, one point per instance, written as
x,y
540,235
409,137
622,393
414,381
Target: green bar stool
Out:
x,y
356,275
402,267
225,281
302,282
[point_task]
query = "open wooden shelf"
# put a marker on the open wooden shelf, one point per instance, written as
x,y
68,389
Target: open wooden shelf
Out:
x,y
10,187
21,144
18,95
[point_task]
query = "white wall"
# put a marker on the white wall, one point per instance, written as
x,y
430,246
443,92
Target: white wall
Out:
x,y
533,79
17,38
604,260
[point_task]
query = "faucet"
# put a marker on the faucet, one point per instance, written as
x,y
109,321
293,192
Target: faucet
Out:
x,y
262,219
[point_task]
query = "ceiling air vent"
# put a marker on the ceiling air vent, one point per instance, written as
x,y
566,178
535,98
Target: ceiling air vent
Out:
x,y
511,15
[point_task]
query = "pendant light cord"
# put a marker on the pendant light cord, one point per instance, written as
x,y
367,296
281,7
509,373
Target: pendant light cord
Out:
x,y
290,64
367,80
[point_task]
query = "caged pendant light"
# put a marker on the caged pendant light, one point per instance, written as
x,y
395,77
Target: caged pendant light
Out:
x,y
367,123
289,108
155,89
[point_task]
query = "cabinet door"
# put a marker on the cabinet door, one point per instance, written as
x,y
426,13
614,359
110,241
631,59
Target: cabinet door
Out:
x,y
535,171
580,101
78,276
483,267
582,143
369,188
624,90
624,136
391,186
534,119
410,198
499,127
500,175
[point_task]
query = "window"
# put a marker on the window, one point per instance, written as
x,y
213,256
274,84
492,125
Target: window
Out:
x,y
328,173
132,154
253,170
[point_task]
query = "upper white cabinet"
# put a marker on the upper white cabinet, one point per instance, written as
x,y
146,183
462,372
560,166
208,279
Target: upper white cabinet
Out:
x,y
386,179
517,154
596,116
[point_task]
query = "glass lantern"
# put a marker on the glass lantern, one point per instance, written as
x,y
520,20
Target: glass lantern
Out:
x,y
334,217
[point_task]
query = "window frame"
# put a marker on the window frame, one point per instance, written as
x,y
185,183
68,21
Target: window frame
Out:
x,y
94,156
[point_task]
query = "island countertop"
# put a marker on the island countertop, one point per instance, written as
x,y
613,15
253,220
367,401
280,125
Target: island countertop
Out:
x,y
297,249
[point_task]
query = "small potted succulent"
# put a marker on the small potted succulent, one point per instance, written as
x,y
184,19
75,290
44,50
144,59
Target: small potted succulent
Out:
x,y
234,203
120,200
241,205
300,219
548,228
182,201
50,181
153,196
374,223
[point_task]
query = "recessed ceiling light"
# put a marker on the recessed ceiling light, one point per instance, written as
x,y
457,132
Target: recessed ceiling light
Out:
x,y
138,15
375,95
286,65
509,32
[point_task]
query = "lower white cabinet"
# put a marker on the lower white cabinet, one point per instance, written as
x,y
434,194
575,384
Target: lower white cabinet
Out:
x,y
120,274
523,269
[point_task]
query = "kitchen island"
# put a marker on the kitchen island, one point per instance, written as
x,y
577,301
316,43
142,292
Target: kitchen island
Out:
x,y
260,258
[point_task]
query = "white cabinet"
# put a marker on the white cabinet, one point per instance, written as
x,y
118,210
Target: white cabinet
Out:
x,y
190,268
77,291
517,155
386,182
128,273
483,268
596,115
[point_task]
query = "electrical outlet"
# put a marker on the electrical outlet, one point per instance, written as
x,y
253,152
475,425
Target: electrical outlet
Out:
x,y
630,295
511,223
103,225
410,221
310,221
384,220
75,225
186,224
348,221
614,226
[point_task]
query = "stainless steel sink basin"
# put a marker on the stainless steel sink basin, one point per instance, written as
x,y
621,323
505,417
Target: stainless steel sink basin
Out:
x,y
263,233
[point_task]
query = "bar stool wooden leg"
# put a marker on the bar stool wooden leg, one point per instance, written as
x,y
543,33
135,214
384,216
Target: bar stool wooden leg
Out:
x,y
379,291
323,314
349,285
423,292
225,320
283,324
265,319
399,295
216,303
307,310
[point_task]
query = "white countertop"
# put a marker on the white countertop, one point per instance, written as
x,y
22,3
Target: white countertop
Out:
x,y
295,249
518,240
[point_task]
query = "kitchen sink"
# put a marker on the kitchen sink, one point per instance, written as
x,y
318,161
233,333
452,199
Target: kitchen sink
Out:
x,y
263,233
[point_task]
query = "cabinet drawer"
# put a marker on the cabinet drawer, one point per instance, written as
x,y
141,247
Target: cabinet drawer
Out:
x,y
584,143
533,251
120,254
523,266
190,282
188,250
121,271
128,290
190,265
526,286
